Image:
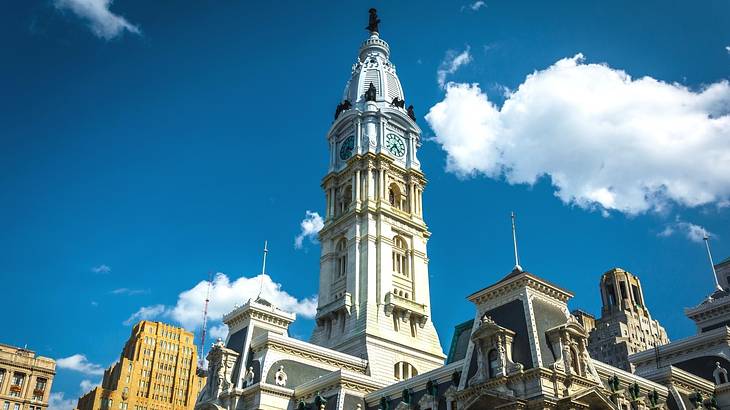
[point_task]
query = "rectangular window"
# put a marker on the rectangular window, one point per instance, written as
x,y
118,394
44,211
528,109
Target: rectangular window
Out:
x,y
6,405
16,406
2,378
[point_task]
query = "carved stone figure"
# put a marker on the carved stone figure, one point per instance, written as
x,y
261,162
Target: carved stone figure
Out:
x,y
411,113
720,374
280,377
373,21
398,103
341,107
248,377
371,94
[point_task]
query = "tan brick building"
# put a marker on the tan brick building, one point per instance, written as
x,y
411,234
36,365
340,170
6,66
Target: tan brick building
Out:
x,y
625,326
156,370
25,379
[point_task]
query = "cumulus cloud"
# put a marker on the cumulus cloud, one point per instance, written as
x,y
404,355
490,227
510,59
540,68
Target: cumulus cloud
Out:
x,y
101,269
727,48
146,313
694,233
102,22
310,227
224,295
57,401
81,364
451,63
603,139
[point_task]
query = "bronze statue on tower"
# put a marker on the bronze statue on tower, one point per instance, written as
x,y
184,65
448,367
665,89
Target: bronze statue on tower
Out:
x,y
373,21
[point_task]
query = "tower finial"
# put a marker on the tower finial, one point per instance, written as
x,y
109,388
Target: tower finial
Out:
x,y
706,238
263,270
514,241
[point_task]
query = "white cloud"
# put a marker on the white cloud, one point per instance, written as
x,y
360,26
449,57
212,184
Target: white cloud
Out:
x,y
477,5
58,402
87,385
146,313
101,269
102,22
694,233
727,49
310,225
81,364
451,63
605,140
224,295
129,292
219,331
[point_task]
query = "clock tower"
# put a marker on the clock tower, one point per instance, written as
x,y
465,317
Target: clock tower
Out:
x,y
374,299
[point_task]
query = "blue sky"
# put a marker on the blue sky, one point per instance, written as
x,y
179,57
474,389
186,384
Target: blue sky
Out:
x,y
145,144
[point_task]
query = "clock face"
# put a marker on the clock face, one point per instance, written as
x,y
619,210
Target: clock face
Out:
x,y
395,145
347,147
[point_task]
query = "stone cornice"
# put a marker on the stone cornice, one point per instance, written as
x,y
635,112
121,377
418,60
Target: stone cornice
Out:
x,y
521,280
298,348
340,378
416,383
679,378
710,338
264,313
605,371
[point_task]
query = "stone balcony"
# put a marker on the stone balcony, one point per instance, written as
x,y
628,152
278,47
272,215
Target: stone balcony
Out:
x,y
341,304
405,309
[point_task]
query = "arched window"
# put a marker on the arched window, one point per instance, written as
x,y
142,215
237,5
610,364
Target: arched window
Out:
x,y
400,261
493,360
345,199
404,370
341,259
394,197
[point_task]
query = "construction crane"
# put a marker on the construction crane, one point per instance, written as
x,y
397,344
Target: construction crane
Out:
x,y
205,324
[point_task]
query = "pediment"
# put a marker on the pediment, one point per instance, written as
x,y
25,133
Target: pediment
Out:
x,y
593,399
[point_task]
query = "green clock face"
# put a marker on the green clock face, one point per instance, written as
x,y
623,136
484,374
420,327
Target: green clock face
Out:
x,y
347,147
395,145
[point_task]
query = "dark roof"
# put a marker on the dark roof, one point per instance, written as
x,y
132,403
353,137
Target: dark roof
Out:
x,y
460,341
726,260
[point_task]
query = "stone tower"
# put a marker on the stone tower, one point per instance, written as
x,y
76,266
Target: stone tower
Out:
x,y
374,299
625,326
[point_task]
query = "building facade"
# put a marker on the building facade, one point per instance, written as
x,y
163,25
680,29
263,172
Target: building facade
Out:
x,y
156,370
374,345
696,367
25,379
625,326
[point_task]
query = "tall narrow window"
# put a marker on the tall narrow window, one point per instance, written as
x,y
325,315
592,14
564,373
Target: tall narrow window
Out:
x,y
493,358
341,259
400,261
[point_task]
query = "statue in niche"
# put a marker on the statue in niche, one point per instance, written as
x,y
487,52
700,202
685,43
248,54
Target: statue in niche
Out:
x,y
280,377
371,94
411,113
248,377
373,21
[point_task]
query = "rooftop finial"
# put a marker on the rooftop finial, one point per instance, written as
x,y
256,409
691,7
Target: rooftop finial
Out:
x,y
263,270
514,240
373,22
706,237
